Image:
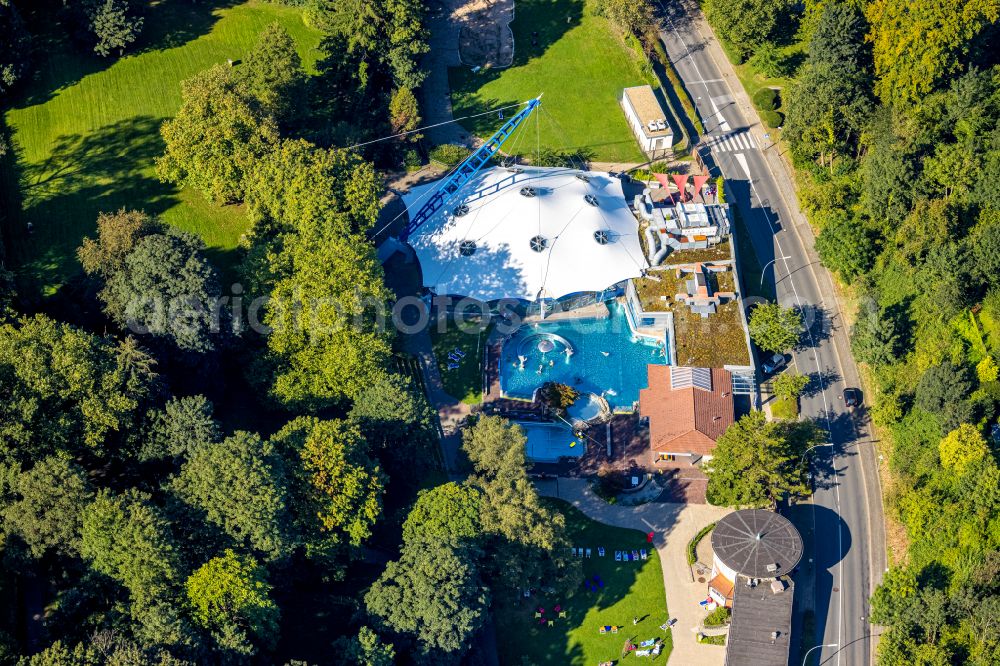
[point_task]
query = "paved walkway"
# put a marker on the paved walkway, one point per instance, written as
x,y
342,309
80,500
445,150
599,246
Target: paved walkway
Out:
x,y
436,91
451,411
674,525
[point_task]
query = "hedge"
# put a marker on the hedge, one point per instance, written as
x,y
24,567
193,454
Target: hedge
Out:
x,y
772,119
766,99
679,90
692,553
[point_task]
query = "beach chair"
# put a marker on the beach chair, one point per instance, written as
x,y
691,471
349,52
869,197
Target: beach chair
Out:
x,y
635,556
600,551
537,615
614,630
643,554
588,552
625,555
656,649
458,352
552,623
604,629
574,551
618,556
453,366
642,653
648,643
562,614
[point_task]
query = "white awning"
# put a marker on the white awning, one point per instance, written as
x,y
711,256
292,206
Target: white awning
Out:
x,y
528,233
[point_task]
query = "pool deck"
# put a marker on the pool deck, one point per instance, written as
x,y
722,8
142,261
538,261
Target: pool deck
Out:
x,y
595,311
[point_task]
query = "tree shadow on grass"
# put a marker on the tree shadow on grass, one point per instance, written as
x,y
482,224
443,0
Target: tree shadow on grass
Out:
x,y
167,24
84,175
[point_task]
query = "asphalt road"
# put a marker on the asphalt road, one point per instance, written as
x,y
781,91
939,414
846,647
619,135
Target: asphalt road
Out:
x,y
850,542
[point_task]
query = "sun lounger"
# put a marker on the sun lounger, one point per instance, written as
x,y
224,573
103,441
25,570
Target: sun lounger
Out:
x,y
453,366
643,553
600,551
643,653
588,552
574,551
579,551
656,650
649,643
458,352
635,556
618,556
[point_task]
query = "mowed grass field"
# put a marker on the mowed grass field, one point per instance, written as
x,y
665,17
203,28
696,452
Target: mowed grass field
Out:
x,y
631,590
581,66
88,131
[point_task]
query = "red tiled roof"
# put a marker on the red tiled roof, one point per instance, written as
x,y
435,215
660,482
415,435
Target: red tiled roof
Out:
x,y
686,420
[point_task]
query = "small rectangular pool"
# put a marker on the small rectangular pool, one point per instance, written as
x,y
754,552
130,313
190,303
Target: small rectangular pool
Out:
x,y
548,442
600,356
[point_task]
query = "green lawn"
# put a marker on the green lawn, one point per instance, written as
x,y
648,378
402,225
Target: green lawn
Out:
x,y
786,409
631,589
466,381
88,131
580,65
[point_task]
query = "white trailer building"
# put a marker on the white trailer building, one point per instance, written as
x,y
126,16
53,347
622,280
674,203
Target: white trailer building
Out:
x,y
647,119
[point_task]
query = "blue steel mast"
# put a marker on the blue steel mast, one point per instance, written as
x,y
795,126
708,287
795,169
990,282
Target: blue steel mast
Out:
x,y
467,169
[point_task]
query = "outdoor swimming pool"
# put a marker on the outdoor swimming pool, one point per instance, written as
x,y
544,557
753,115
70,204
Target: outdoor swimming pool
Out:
x,y
548,442
592,355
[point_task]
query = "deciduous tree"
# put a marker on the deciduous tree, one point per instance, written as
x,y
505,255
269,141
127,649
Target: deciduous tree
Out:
x,y
126,538
240,486
183,425
230,596
747,24
755,464
114,25
14,47
168,289
918,45
962,447
447,513
47,507
338,487
944,391
433,593
67,390
217,137
775,328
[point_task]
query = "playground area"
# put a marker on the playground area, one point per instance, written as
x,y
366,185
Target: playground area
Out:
x,y
617,613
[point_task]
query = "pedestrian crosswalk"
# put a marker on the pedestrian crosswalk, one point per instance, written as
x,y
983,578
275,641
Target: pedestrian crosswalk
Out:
x,y
731,142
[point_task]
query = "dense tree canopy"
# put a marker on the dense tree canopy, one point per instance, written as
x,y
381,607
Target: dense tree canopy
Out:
x,y
239,484
45,506
433,592
746,24
67,391
14,47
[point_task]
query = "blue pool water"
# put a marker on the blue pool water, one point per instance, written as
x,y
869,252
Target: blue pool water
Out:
x,y
606,358
548,442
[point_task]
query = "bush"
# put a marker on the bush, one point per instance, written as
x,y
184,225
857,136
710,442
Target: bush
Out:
x,y
733,52
449,154
772,119
766,99
412,160
718,617
720,188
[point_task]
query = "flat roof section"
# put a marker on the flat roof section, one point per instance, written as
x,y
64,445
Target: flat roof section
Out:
x,y
760,633
648,109
757,543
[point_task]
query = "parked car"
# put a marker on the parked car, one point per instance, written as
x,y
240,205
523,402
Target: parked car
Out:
x,y
852,397
773,364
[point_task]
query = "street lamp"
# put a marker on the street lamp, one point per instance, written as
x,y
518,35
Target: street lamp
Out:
x,y
803,460
764,270
813,648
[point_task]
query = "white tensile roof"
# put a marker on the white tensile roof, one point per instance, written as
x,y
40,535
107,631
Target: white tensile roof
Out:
x,y
487,252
